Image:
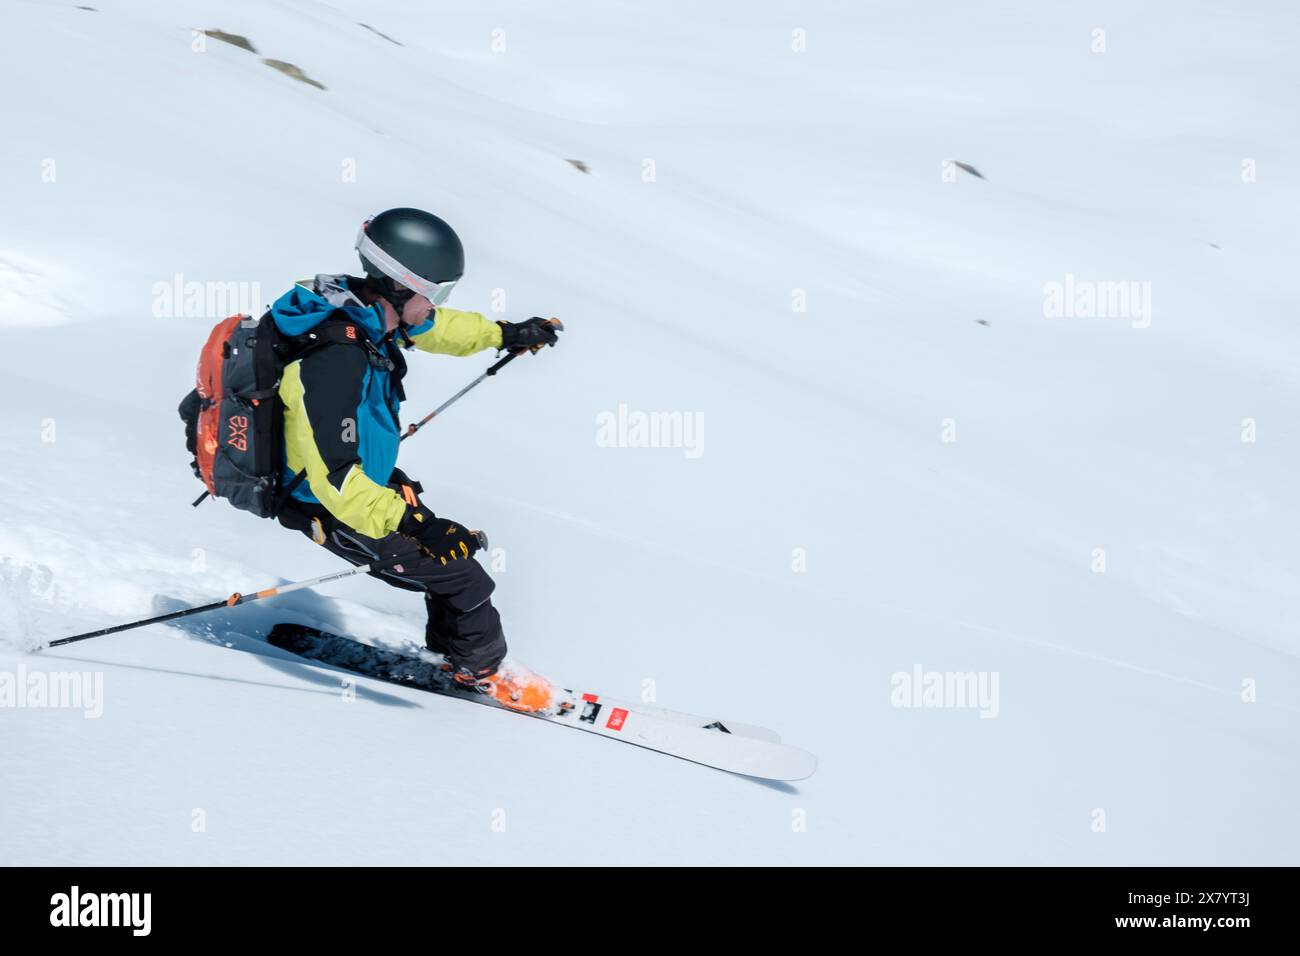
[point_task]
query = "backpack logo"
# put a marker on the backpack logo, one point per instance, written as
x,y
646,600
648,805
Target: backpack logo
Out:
x,y
352,331
237,436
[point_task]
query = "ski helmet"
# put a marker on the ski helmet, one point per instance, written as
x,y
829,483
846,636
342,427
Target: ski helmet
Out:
x,y
415,249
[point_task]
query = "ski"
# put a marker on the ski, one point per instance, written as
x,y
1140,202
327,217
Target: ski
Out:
x,y
418,668
722,744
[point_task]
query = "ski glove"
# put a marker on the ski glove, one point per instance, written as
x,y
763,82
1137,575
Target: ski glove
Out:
x,y
532,334
441,538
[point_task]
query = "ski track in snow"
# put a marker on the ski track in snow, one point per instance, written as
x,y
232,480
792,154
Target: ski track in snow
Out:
x,y
659,548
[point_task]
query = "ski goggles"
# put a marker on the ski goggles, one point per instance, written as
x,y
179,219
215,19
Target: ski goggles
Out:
x,y
435,292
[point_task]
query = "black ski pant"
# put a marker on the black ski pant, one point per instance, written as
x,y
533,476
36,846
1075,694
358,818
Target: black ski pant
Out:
x,y
462,624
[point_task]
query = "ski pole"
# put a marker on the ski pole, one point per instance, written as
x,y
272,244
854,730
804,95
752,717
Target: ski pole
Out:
x,y
416,426
237,598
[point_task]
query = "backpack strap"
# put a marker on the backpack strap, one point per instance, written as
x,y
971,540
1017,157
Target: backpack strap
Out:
x,y
333,331
287,490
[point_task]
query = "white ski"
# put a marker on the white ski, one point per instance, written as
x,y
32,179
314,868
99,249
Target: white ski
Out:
x,y
703,744
725,745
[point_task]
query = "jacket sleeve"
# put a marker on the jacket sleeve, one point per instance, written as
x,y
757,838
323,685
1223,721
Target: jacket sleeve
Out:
x,y
321,395
452,332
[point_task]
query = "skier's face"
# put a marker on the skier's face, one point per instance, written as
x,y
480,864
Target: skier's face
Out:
x,y
400,304
416,310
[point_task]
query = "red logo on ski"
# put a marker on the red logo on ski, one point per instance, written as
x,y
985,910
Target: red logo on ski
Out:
x,y
591,698
616,719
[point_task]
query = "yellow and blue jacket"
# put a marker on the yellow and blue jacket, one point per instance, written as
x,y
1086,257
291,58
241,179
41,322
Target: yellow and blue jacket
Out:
x,y
342,403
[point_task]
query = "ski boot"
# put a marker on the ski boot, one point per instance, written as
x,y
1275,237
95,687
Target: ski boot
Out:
x,y
514,687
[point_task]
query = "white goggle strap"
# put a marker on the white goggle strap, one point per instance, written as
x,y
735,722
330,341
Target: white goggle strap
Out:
x,y
435,292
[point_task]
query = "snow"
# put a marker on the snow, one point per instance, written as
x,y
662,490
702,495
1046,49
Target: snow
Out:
x,y
1158,697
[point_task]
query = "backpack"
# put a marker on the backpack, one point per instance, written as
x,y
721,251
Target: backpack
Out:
x,y
234,420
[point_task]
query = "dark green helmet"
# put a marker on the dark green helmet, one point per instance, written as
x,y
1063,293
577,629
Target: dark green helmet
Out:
x,y
413,248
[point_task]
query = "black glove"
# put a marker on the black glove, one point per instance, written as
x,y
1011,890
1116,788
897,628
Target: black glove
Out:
x,y
532,334
441,538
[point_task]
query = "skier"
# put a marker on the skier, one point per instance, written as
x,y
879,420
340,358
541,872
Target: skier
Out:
x,y
341,427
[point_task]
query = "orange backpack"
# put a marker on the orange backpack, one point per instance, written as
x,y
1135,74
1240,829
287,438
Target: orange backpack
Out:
x,y
234,423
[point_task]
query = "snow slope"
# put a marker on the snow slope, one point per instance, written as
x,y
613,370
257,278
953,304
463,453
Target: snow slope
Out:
x,y
798,273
